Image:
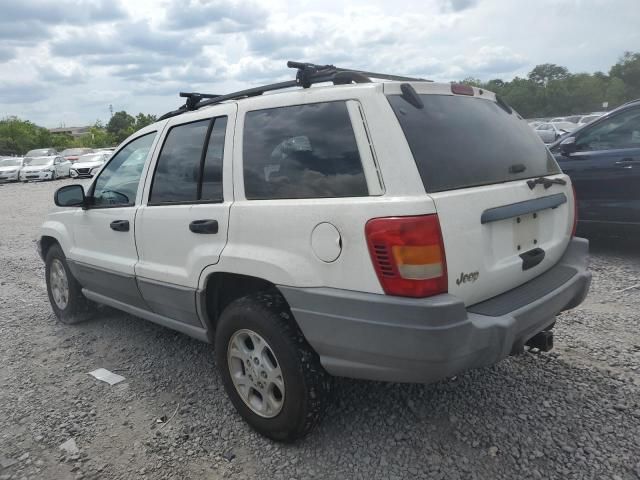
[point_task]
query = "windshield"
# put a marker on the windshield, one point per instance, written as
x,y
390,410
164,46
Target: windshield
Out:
x,y
566,126
589,119
91,158
38,153
40,161
74,151
460,141
11,162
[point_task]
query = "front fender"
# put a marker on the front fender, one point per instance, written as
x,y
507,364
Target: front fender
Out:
x,y
57,230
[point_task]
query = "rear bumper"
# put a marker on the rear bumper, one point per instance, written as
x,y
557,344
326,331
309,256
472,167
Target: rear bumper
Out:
x,y
380,337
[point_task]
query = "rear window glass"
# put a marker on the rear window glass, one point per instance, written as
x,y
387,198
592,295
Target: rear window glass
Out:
x,y
302,151
460,142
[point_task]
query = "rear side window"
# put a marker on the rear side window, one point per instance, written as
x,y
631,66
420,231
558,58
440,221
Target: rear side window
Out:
x,y
212,173
302,151
460,142
189,168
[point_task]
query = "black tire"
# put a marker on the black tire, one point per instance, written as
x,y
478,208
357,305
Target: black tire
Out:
x,y
54,175
307,384
78,308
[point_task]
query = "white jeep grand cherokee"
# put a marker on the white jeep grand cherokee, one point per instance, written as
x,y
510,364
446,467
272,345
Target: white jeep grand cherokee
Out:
x,y
401,231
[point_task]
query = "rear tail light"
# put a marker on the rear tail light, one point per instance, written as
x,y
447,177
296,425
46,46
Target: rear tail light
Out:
x,y
575,212
408,255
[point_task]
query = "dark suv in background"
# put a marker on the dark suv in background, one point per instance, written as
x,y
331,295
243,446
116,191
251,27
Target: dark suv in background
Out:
x,y
603,161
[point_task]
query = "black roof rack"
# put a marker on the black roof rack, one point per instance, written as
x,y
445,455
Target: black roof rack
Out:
x,y
307,75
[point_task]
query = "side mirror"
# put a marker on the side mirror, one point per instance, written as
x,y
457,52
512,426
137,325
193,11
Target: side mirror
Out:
x,y
568,146
70,196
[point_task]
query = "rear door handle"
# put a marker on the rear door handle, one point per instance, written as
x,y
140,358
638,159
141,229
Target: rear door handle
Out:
x,y
207,226
628,162
120,225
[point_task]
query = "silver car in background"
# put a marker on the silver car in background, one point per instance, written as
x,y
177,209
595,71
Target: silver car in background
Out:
x,y
87,165
73,154
585,119
551,131
40,152
10,168
45,168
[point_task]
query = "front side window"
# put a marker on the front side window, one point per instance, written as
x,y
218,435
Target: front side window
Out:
x,y
302,151
181,164
118,182
178,168
619,131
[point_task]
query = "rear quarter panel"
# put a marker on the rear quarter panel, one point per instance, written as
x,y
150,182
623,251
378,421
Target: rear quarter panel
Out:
x,y
271,239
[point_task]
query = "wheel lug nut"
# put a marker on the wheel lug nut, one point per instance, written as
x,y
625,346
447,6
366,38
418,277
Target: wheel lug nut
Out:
x,y
264,374
256,361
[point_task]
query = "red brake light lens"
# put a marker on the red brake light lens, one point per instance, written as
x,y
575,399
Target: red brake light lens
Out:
x,y
408,255
461,89
575,212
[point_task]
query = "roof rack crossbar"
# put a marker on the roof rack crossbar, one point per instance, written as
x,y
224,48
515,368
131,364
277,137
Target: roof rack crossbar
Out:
x,y
307,75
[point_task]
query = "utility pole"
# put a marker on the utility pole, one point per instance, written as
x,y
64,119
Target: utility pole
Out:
x,y
111,110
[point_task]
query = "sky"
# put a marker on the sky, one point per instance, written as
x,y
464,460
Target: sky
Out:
x,y
64,62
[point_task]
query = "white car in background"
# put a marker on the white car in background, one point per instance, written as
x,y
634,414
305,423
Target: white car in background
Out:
x,y
552,131
45,168
87,165
585,119
10,168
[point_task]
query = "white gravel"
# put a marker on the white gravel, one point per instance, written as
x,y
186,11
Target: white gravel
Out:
x,y
571,414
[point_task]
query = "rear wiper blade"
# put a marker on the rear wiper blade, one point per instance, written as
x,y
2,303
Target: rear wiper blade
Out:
x,y
546,182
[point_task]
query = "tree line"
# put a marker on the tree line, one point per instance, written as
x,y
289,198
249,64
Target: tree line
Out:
x,y
551,90
19,136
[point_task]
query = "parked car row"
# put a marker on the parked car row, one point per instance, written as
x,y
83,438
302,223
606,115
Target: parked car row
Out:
x,y
558,127
71,154
42,165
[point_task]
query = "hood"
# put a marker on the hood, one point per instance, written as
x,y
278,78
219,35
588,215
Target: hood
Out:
x,y
87,164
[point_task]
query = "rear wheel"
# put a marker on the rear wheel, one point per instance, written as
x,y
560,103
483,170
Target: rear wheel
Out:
x,y
65,293
272,375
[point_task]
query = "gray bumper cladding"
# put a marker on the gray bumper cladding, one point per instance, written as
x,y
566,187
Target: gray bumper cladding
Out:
x,y
381,337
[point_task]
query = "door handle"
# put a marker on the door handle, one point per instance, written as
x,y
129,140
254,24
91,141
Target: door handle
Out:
x,y
204,226
120,225
627,162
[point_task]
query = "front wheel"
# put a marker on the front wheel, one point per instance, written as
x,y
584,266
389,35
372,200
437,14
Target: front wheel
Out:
x,y
272,375
65,293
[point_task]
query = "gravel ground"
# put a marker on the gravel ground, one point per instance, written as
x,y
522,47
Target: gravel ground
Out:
x,y
571,413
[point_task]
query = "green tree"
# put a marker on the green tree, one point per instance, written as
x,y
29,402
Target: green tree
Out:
x,y
121,126
547,72
143,120
60,141
586,93
98,137
628,70
615,93
18,136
